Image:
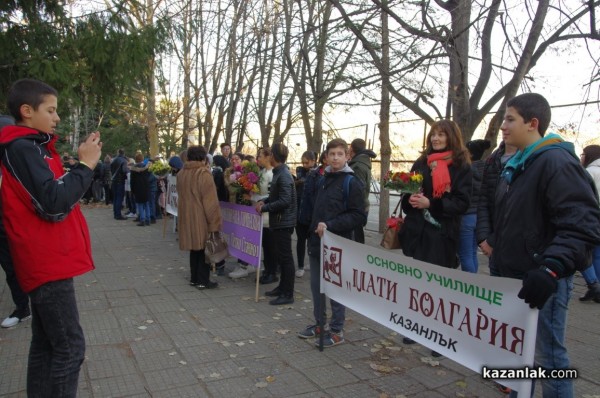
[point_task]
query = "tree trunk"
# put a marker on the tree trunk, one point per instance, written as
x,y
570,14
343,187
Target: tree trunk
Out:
x,y
384,122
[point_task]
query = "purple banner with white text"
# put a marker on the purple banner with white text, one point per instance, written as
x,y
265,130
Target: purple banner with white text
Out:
x,y
242,229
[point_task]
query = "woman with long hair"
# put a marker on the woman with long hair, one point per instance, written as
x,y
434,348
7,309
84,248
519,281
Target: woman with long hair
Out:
x,y
431,227
433,215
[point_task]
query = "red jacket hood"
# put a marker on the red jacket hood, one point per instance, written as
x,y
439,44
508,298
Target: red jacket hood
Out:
x,y
11,133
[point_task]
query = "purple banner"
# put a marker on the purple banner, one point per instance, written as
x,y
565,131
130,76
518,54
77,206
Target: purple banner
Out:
x,y
242,229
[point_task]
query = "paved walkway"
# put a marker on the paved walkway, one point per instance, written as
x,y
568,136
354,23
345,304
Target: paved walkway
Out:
x,y
149,334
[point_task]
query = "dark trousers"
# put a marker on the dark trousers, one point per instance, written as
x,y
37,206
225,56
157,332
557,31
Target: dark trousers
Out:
x,y
130,201
199,270
283,243
359,234
302,235
107,194
118,191
152,204
57,343
269,252
18,295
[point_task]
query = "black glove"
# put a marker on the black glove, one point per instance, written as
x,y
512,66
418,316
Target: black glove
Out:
x,y
538,285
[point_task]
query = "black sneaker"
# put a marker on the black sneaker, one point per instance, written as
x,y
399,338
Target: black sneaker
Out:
x,y
273,293
282,300
209,285
16,317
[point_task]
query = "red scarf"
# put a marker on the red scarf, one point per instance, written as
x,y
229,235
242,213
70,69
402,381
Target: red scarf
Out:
x,y
438,163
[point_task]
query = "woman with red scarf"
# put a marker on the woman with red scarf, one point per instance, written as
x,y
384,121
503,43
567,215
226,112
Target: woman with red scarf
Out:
x,y
432,223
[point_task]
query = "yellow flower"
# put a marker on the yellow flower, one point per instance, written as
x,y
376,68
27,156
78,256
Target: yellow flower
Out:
x,y
416,177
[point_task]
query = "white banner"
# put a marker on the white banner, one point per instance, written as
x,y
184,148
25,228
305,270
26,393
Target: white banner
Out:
x,y
475,320
171,195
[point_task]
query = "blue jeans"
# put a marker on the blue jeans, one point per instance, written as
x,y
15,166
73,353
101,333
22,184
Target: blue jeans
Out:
x,y
467,249
143,211
550,349
57,343
152,204
118,191
338,311
591,273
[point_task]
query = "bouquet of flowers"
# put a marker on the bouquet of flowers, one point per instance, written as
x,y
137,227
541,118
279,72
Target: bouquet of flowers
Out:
x,y
159,168
402,181
246,180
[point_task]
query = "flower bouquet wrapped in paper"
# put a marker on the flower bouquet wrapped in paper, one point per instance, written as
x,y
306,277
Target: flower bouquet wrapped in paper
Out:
x,y
245,178
404,182
159,168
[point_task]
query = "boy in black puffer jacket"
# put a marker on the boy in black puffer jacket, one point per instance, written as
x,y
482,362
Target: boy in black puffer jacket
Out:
x,y
340,208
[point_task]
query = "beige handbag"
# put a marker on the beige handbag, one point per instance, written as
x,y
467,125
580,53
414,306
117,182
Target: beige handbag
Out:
x,y
215,248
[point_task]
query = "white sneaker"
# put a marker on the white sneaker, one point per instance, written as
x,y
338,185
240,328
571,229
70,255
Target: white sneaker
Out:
x,y
239,272
299,272
16,317
131,215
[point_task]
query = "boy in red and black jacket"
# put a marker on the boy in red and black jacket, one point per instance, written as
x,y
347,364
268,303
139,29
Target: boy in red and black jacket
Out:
x,y
48,235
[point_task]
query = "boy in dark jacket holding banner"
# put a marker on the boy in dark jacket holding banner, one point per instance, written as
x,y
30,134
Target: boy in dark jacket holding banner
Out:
x,y
340,208
48,236
546,224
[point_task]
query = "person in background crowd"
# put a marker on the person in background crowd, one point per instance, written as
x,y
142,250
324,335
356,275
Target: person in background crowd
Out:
x,y
22,311
106,180
176,164
309,160
97,183
467,251
485,210
226,151
152,193
140,188
281,206
590,159
340,213
220,164
65,161
241,271
431,226
199,214
360,162
119,170
129,199
72,161
268,243
546,225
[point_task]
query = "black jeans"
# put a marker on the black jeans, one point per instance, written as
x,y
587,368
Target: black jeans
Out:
x,y
282,238
269,252
302,235
107,194
57,343
199,270
18,295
